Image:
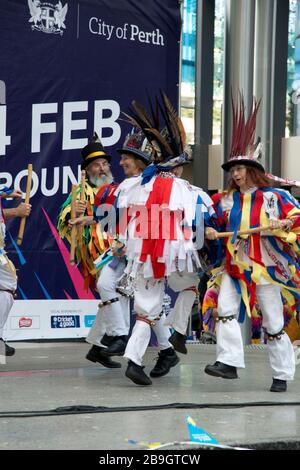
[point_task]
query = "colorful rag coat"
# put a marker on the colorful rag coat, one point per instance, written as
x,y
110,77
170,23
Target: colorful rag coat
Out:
x,y
161,230
92,242
5,263
265,257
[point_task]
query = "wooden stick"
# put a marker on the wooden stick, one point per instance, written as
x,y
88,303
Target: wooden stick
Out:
x,y
27,197
82,198
245,232
82,192
74,228
252,230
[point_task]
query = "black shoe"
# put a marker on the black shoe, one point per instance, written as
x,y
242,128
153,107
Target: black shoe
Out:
x,y
178,342
166,359
106,340
218,369
95,354
117,346
278,386
137,374
208,338
9,351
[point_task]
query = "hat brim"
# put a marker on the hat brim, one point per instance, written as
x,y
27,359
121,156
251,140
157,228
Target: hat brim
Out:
x,y
136,153
176,166
227,165
87,162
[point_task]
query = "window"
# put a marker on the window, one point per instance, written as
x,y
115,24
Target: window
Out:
x,y
293,72
188,68
218,71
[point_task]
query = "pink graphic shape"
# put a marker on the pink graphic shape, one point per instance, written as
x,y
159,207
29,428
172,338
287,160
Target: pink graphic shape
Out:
x,y
67,295
74,272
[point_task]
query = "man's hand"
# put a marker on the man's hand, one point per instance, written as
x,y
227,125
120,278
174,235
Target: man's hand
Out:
x,y
80,207
16,194
23,210
83,220
211,233
118,250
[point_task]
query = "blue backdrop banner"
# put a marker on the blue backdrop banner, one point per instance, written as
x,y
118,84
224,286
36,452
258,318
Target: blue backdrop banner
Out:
x,y
67,69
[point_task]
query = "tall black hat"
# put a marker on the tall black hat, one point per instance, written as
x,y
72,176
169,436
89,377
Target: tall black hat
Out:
x,y
137,145
92,151
164,130
243,148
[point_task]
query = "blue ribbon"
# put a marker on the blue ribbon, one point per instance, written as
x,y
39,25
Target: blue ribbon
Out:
x,y
271,271
235,215
149,172
6,190
155,168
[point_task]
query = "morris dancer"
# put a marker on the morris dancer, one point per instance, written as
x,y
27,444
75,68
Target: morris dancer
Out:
x,y
8,276
159,239
135,156
257,265
96,164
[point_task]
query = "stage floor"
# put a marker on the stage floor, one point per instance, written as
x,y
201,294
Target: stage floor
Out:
x,y
45,376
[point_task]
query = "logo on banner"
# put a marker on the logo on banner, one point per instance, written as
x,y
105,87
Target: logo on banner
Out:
x,y
89,320
25,322
65,321
47,17
17,323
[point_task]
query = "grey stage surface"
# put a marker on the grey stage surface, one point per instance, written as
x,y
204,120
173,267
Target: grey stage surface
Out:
x,y
44,376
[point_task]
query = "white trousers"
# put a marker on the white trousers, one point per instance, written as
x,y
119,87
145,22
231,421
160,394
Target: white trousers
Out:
x,y
148,301
230,348
114,319
7,281
140,337
179,316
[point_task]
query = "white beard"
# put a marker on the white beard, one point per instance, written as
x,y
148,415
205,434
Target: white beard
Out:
x,y
101,180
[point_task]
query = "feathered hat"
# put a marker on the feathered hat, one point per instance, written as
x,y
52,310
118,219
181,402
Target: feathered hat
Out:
x,y
243,149
164,130
92,151
137,144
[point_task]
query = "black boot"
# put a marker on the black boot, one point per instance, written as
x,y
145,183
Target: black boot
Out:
x,y
9,351
218,369
178,342
95,354
167,358
278,386
137,374
106,340
117,346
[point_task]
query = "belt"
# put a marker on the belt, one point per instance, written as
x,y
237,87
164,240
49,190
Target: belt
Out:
x,y
146,320
12,292
108,302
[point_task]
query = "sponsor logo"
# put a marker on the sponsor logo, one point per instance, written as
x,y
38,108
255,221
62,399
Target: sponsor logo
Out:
x,y
25,322
89,320
32,322
65,321
46,17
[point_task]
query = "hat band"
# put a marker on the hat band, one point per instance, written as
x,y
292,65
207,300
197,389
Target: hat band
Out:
x,y
244,157
95,154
